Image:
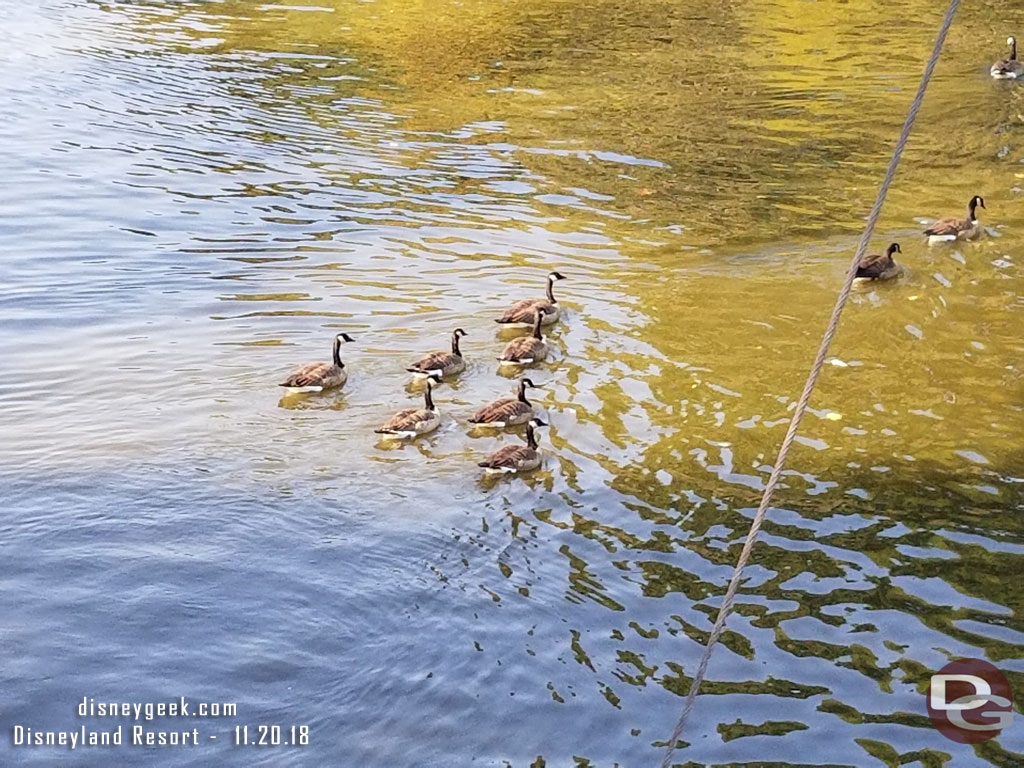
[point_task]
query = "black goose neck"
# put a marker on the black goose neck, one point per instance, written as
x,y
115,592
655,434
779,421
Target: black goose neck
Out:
x,y
522,392
551,290
536,324
428,397
531,437
455,345
336,353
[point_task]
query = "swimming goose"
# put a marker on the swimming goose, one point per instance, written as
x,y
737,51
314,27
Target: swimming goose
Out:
x,y
413,422
316,377
526,349
952,228
441,363
879,267
508,411
1008,69
510,459
521,313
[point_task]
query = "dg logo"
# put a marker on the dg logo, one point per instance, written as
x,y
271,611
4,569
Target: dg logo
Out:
x,y
970,701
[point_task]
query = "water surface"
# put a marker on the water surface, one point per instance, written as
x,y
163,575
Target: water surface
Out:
x,y
200,195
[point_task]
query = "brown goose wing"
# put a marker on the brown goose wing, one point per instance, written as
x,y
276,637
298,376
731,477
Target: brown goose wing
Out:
x,y
522,311
522,348
500,410
309,375
514,312
874,265
948,226
508,456
406,420
433,362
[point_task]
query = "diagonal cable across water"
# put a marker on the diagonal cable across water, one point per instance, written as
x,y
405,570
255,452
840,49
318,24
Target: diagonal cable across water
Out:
x,y
812,380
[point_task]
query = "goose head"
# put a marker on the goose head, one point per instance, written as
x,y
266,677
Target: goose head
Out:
x,y
531,437
893,248
523,384
336,352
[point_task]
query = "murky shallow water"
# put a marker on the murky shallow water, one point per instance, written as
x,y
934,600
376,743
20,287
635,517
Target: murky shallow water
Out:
x,y
201,195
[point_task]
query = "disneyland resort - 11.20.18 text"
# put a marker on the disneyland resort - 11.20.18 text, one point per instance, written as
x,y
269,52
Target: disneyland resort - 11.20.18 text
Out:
x,y
138,735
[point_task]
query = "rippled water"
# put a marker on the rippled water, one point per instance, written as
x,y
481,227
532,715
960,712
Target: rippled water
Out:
x,y
200,195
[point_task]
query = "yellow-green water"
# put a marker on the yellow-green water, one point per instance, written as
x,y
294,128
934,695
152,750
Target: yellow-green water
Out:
x,y
200,195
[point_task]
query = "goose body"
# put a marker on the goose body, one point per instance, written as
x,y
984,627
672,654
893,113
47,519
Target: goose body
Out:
x,y
413,422
953,228
521,313
526,349
512,459
879,266
506,412
317,377
441,363
1009,68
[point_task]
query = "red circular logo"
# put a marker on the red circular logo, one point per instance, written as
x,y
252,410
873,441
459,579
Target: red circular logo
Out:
x,y
970,701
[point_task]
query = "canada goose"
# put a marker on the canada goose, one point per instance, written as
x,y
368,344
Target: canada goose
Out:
x,y
952,228
1008,69
521,313
316,377
510,459
526,349
508,411
879,267
412,422
441,363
